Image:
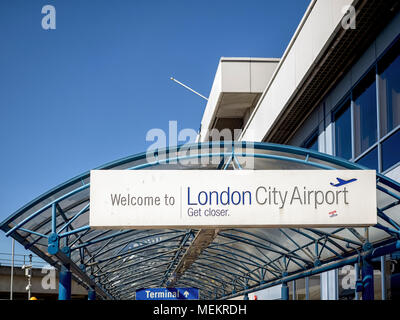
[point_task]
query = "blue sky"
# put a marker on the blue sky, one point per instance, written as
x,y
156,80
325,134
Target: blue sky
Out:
x,y
87,93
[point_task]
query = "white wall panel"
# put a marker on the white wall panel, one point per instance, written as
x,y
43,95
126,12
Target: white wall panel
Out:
x,y
317,29
236,76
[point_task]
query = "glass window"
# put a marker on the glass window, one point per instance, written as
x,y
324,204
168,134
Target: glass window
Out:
x,y
391,151
342,120
389,91
312,142
370,160
365,114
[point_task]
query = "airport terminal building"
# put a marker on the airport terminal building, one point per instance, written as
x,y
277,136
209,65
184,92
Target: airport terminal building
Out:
x,y
332,101
334,90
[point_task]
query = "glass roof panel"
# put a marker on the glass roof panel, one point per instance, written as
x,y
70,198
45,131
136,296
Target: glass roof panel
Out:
x,y
125,260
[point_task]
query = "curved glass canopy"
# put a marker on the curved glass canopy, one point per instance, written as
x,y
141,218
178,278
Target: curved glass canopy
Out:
x,y
118,262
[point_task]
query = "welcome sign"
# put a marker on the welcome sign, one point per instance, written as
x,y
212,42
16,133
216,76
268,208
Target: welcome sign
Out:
x,y
234,198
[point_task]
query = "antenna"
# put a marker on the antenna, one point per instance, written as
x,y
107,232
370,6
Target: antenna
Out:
x,y
183,85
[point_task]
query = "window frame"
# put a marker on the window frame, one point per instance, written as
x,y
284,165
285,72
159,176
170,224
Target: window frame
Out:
x,y
382,140
311,137
371,73
340,108
349,97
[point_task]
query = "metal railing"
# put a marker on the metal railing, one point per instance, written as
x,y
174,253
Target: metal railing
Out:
x,y
21,260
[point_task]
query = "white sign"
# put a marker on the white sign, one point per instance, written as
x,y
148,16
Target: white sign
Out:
x,y
234,198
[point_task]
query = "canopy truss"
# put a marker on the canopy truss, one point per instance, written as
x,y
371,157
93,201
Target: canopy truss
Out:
x,y
221,263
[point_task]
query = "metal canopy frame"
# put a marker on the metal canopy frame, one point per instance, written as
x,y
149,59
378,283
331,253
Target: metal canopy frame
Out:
x,y
222,264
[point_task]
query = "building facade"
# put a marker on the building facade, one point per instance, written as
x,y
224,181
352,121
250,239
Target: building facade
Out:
x,y
336,89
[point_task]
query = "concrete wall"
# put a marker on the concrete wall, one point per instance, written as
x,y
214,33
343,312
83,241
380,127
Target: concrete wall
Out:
x,y
20,282
316,28
240,78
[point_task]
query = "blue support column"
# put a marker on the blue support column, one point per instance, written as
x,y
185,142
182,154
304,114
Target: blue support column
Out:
x,y
91,294
368,280
284,291
64,286
284,288
294,289
357,276
383,277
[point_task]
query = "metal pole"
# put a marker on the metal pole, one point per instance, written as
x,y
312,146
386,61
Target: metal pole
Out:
x,y
29,276
378,118
356,275
307,288
337,284
185,86
12,268
383,278
368,280
284,291
53,218
294,289
91,294
64,286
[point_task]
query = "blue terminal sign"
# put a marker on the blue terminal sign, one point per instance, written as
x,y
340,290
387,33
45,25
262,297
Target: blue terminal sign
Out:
x,y
167,294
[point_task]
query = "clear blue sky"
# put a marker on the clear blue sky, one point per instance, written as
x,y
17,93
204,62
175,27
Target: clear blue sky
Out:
x,y
87,93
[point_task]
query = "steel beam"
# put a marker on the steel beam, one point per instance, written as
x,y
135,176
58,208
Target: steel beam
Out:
x,y
202,240
372,253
